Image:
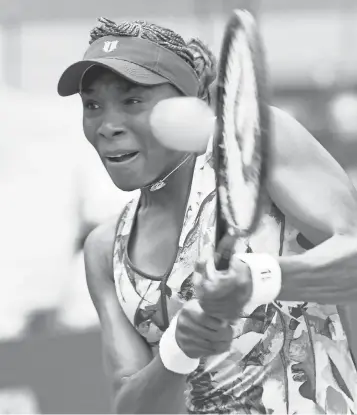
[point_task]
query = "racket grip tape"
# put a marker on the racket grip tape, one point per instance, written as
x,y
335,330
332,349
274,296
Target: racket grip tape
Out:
x,y
224,252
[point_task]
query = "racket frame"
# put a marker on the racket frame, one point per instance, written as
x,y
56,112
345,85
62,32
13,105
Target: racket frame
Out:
x,y
226,234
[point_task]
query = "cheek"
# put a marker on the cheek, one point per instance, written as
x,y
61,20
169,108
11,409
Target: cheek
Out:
x,y
89,129
157,155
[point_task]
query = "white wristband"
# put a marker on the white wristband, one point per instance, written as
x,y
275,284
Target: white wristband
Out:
x,y
172,357
266,279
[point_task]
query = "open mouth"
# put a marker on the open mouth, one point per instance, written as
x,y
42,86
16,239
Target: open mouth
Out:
x,y
122,157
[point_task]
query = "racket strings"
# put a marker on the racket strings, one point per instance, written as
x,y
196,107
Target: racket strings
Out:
x,y
239,152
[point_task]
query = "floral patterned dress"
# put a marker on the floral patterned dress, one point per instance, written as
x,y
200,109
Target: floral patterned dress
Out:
x,y
286,358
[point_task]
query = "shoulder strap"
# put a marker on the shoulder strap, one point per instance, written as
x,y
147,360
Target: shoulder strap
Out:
x,y
119,221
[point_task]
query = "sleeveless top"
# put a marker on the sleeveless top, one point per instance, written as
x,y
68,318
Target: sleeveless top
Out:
x,y
287,357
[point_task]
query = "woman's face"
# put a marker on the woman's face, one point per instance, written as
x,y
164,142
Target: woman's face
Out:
x,y
116,122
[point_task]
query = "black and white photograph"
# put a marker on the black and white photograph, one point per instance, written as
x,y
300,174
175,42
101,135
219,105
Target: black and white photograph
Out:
x,y
178,207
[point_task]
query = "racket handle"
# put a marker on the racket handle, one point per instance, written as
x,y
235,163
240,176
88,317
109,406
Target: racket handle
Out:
x,y
224,252
223,255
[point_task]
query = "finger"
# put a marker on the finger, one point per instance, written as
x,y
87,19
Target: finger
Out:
x,y
200,318
198,283
212,322
214,307
206,271
221,347
218,289
198,347
224,314
207,334
235,297
200,267
219,283
217,308
225,333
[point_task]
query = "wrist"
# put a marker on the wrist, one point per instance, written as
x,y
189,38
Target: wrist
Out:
x,y
266,278
172,356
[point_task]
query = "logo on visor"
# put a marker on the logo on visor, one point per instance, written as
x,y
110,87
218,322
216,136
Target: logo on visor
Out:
x,y
110,46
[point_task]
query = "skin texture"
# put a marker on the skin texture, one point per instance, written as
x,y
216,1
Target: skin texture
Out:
x,y
305,182
312,189
116,118
315,194
127,358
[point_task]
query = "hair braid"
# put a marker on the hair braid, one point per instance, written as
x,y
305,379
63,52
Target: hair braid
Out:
x,y
195,53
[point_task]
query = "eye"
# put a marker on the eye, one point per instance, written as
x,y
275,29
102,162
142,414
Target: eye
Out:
x,y
90,105
132,101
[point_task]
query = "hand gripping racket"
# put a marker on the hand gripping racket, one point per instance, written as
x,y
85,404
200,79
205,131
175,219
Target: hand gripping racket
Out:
x,y
240,147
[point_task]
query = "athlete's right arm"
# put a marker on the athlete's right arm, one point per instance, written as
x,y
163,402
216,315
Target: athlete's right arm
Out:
x,y
141,384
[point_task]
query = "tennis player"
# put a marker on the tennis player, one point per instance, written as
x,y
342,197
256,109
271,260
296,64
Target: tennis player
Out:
x,y
289,354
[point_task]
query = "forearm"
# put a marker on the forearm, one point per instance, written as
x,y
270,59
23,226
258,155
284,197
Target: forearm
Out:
x,y
326,274
153,389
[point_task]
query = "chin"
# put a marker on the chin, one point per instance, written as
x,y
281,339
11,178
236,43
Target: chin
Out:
x,y
127,187
125,182
131,182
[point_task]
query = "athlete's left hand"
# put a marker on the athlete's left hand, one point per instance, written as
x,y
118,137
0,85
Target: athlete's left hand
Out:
x,y
223,294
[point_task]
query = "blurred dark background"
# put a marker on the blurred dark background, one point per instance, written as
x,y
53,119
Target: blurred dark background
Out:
x,y
54,190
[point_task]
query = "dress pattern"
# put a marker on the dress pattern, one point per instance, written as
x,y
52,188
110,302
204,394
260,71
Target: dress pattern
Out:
x,y
286,357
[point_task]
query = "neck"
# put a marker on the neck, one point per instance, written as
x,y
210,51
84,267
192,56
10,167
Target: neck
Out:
x,y
174,192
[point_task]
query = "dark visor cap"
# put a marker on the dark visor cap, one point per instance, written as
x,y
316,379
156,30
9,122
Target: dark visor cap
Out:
x,y
139,60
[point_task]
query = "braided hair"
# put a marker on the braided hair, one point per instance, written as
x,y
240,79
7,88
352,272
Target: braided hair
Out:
x,y
194,52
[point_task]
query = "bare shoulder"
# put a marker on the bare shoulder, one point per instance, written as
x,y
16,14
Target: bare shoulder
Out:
x,y
125,352
306,182
293,145
282,119
99,243
98,253
291,140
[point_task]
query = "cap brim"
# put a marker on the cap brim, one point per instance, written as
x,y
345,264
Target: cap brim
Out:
x,y
69,82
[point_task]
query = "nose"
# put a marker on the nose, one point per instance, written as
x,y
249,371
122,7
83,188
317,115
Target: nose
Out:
x,y
112,126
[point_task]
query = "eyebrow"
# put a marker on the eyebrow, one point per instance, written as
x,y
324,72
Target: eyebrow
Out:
x,y
125,90
86,91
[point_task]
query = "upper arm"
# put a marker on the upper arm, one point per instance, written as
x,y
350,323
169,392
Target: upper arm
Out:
x,y
125,350
307,183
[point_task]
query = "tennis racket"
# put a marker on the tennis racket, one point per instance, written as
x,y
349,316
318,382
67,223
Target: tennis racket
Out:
x,y
240,146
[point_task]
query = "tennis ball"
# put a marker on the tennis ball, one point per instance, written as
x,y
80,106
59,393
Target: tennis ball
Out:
x,y
183,124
